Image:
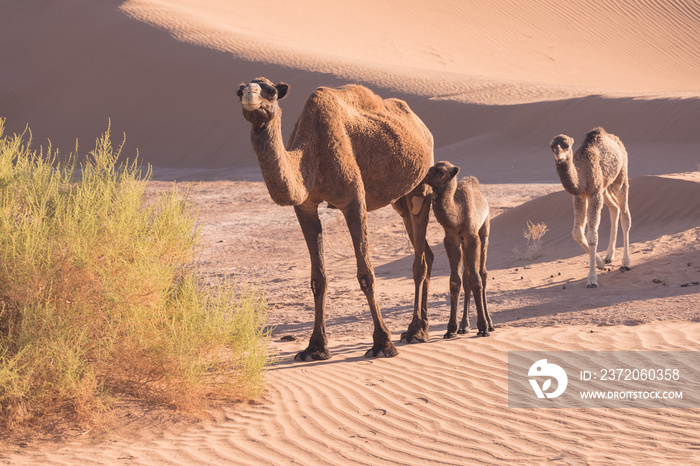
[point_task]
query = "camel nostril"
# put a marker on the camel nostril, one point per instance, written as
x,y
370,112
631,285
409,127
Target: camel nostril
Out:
x,y
251,98
251,101
250,105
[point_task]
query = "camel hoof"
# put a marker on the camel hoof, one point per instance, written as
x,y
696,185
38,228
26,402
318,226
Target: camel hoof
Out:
x,y
608,261
312,355
463,331
411,339
624,268
491,329
483,333
418,337
388,351
449,335
592,285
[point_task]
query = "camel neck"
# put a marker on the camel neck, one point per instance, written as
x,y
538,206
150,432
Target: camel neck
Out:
x,y
444,205
569,176
281,170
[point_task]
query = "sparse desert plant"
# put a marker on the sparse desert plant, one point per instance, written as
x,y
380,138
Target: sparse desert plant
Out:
x,y
99,296
533,233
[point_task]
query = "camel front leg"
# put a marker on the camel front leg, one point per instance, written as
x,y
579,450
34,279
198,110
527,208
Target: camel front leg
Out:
x,y
595,205
311,227
580,218
414,208
356,218
453,248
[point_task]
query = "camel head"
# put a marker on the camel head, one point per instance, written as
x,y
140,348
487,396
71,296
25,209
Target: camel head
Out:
x,y
440,175
562,146
259,100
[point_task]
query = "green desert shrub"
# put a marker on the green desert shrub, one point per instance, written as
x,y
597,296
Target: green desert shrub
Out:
x,y
99,297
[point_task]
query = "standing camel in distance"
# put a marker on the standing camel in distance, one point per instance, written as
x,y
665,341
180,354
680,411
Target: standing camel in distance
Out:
x,y
596,173
357,152
462,210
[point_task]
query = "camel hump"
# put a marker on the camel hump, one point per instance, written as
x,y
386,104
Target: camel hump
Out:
x,y
470,181
594,134
348,97
603,141
397,105
403,112
470,195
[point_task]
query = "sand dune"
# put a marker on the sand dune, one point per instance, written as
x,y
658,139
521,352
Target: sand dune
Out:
x,y
444,402
494,81
592,44
176,101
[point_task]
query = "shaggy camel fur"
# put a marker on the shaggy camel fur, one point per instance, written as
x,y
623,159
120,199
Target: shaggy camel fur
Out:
x,y
357,152
462,210
596,173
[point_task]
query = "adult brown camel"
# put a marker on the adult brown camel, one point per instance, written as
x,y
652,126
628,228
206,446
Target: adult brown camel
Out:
x,y
357,152
596,173
462,210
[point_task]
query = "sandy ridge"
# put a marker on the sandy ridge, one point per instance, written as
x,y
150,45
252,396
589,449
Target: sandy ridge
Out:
x,y
534,42
444,402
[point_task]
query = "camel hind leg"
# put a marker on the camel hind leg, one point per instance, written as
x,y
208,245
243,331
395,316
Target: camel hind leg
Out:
x,y
414,209
622,194
471,246
464,324
483,273
614,210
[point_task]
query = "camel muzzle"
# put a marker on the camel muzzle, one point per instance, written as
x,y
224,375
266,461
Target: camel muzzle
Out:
x,y
251,98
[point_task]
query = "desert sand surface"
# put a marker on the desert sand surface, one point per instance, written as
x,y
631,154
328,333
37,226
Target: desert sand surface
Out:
x,y
494,82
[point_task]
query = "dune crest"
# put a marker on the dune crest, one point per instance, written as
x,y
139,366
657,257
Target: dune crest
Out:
x,y
593,44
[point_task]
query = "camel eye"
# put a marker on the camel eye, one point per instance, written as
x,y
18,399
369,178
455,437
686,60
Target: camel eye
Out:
x,y
269,92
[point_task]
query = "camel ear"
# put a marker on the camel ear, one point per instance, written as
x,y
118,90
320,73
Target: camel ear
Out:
x,y
240,90
453,172
282,89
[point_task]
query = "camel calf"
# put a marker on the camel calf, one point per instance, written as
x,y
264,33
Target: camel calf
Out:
x,y
462,210
595,174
